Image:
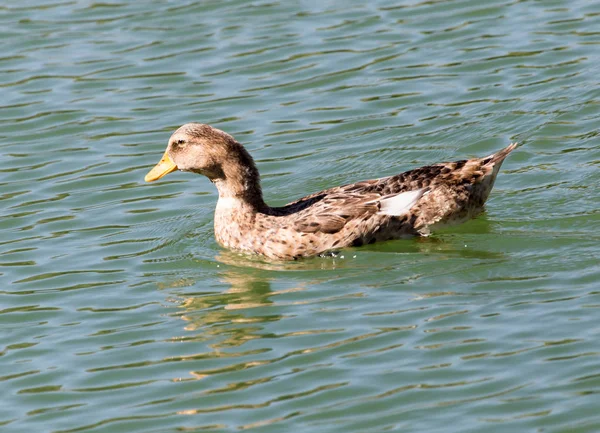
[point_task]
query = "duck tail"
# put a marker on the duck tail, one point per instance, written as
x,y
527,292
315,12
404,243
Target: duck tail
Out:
x,y
490,166
499,156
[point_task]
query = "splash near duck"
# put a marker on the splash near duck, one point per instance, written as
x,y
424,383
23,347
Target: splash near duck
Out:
x,y
412,203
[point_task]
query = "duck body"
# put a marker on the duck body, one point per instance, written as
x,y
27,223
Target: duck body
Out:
x,y
411,203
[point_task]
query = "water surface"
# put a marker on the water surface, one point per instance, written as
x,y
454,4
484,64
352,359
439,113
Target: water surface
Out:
x,y
119,312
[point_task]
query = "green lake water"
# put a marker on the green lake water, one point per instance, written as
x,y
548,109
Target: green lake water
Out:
x,y
120,313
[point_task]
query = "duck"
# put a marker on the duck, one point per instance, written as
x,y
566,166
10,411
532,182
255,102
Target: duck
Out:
x,y
412,203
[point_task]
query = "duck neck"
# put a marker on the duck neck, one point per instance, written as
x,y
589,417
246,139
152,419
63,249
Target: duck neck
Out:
x,y
239,183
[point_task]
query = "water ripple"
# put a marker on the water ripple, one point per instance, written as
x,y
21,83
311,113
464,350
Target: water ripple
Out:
x,y
120,312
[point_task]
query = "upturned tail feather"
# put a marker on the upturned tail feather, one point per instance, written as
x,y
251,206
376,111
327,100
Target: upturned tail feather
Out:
x,y
499,156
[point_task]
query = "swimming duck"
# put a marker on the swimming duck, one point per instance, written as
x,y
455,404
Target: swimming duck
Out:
x,y
407,204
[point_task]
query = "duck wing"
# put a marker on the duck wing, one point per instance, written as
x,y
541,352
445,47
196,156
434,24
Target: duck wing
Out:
x,y
451,185
331,214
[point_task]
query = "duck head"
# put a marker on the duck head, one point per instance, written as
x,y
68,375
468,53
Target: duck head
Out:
x,y
205,150
197,148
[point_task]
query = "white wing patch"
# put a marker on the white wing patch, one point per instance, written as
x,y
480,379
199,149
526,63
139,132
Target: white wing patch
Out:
x,y
399,204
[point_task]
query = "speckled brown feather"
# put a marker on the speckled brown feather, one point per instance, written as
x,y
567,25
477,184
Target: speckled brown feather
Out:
x,y
349,215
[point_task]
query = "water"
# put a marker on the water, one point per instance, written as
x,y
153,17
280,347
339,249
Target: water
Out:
x,y
121,313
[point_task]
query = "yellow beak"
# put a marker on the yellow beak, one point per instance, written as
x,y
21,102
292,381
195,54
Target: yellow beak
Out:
x,y
164,167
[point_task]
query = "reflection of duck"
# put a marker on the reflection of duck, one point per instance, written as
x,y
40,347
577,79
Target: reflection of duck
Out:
x,y
225,313
410,203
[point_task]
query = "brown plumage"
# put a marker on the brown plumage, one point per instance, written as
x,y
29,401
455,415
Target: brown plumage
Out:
x,y
411,203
